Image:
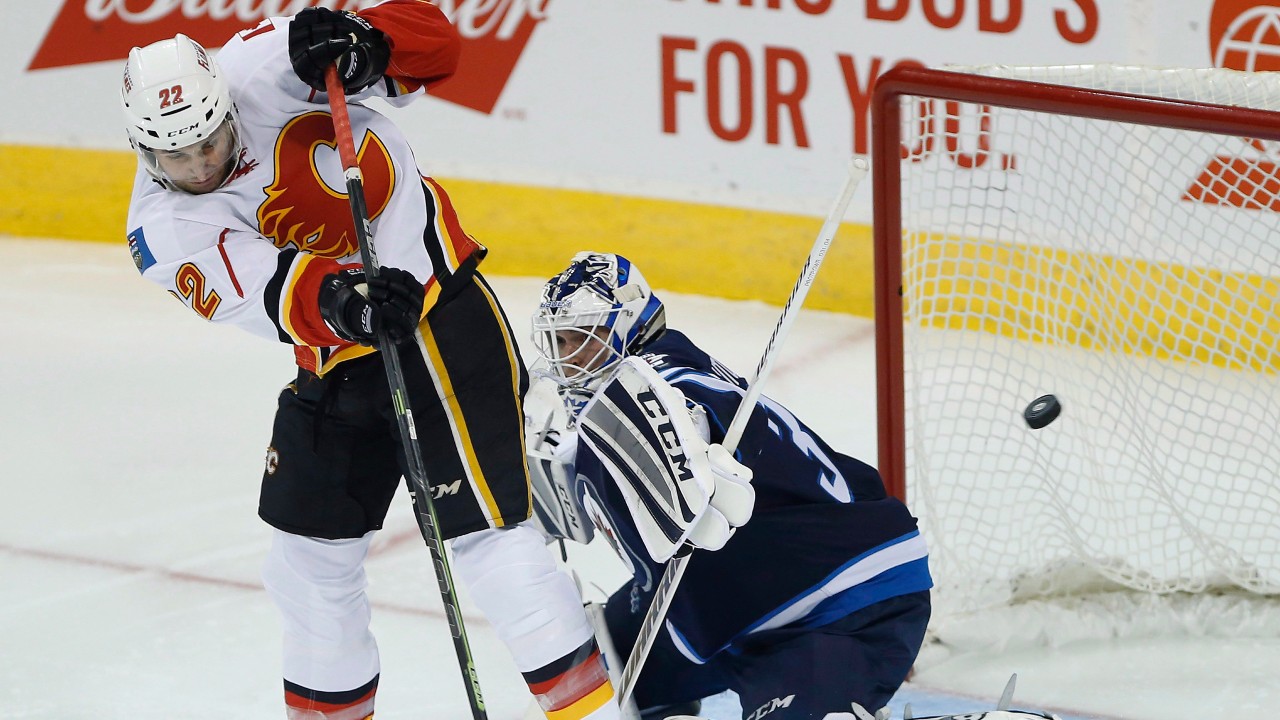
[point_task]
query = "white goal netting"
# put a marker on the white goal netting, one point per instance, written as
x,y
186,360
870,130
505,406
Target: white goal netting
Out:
x,y
1134,272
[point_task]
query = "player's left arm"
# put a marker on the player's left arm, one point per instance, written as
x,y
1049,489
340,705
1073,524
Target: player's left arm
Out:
x,y
424,45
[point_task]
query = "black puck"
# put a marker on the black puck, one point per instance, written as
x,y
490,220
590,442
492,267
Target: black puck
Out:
x,y
1042,411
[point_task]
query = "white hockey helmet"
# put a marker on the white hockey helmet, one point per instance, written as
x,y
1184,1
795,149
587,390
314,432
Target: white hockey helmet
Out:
x,y
174,96
601,295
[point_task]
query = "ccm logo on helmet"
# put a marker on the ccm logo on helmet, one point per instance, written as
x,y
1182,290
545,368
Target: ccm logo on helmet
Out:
x,y
186,129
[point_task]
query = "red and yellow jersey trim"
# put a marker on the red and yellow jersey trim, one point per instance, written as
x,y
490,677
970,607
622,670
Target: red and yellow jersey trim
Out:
x,y
455,243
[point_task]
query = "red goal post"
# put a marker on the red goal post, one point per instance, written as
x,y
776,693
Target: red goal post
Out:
x,y
958,87
1110,235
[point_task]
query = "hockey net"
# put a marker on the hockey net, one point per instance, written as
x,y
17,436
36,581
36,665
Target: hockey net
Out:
x,y
1110,235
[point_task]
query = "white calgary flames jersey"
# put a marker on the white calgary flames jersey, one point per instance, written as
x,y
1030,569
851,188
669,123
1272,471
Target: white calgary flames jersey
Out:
x,y
254,252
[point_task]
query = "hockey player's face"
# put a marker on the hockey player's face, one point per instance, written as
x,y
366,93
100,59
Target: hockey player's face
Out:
x,y
580,351
201,167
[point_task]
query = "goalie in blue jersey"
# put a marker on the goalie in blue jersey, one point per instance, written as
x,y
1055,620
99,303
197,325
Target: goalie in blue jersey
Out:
x,y
808,587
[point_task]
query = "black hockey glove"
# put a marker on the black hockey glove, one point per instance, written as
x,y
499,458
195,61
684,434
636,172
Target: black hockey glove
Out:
x,y
399,297
357,310
319,36
344,305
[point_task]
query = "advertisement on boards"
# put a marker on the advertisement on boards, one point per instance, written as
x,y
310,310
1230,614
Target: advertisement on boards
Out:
x,y
750,102
741,104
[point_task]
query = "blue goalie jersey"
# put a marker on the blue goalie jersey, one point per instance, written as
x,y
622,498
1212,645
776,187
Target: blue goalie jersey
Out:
x,y
824,541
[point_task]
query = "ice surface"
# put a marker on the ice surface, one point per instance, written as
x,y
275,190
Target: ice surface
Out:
x,y
132,436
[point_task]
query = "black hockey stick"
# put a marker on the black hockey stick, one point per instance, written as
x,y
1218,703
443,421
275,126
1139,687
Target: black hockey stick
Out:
x,y
422,502
666,588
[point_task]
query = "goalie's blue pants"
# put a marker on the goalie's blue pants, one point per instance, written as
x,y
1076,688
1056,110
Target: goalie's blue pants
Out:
x,y
788,673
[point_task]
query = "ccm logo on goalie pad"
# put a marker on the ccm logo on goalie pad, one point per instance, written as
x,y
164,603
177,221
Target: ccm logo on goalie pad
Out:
x,y
625,435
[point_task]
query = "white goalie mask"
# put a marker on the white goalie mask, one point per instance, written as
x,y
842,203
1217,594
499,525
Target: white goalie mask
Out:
x,y
596,312
176,101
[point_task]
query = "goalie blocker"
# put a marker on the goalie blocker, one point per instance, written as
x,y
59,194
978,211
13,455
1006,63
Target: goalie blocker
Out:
x,y
681,491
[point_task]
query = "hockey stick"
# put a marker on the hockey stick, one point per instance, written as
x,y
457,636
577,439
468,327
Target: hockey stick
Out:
x,y
666,588
422,502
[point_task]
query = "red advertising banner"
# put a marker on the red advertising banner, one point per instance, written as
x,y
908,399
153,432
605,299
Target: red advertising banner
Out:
x,y
1245,35
494,34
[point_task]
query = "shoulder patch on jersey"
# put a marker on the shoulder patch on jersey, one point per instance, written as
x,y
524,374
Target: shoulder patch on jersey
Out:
x,y
142,256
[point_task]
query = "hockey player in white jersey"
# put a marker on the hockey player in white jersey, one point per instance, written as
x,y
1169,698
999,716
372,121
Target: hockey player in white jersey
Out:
x,y
239,212
810,587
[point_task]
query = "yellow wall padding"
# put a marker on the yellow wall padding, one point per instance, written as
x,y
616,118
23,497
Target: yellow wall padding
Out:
x,y
530,231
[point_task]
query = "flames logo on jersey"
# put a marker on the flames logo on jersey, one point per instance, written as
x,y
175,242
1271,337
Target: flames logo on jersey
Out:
x,y
301,209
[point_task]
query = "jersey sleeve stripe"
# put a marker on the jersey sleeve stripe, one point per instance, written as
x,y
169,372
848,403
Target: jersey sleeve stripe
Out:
x,y
456,244
890,569
231,272
300,312
272,294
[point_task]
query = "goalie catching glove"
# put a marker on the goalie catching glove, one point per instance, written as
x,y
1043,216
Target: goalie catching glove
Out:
x,y
681,491
558,496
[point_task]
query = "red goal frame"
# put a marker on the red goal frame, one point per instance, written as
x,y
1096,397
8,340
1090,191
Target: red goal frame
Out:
x,y
887,152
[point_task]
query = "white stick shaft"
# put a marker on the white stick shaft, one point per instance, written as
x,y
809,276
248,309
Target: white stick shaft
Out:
x,y
857,171
666,588
662,596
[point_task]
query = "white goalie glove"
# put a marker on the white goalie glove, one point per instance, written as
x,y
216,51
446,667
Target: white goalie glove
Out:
x,y
550,444
730,504
681,491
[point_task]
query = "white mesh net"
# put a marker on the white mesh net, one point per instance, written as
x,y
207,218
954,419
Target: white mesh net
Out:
x,y
1134,272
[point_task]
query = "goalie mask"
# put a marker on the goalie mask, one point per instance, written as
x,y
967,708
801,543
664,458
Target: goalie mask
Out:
x,y
179,115
596,312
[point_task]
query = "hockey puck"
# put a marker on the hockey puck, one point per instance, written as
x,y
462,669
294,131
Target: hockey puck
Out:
x,y
1042,411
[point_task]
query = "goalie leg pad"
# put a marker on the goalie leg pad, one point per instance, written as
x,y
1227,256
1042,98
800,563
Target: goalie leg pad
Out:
x,y
994,715
791,673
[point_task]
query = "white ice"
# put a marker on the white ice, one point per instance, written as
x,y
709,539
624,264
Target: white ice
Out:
x,y
132,436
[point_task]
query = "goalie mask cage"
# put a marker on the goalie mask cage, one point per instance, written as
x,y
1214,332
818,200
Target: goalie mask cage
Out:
x,y
1110,235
